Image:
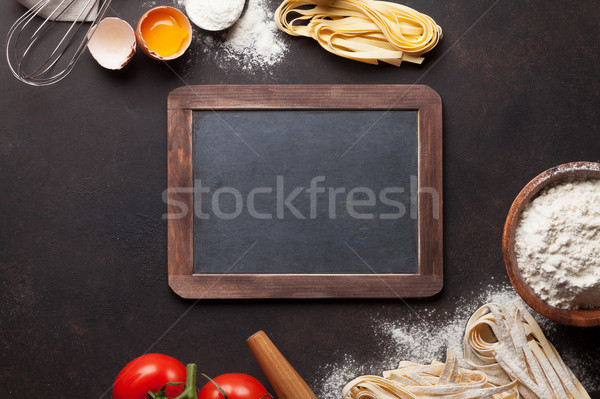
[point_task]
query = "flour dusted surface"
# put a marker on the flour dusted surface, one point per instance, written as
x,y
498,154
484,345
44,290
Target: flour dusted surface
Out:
x,y
422,338
254,40
557,244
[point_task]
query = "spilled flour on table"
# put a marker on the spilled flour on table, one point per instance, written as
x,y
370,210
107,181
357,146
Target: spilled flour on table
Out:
x,y
428,338
424,337
254,41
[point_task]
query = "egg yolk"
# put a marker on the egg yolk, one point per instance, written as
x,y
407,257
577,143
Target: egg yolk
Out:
x,y
163,34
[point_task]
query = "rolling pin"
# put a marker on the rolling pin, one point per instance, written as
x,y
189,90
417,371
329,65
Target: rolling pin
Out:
x,y
286,382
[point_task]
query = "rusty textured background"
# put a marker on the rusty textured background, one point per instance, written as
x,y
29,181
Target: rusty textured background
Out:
x,y
83,165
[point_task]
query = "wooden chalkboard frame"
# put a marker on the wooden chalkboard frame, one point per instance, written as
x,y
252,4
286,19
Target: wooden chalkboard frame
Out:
x,y
181,104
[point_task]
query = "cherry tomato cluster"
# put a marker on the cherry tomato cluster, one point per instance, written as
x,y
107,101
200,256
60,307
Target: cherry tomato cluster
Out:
x,y
158,376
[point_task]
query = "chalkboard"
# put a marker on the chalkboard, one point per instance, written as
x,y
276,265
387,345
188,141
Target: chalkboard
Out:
x,y
304,191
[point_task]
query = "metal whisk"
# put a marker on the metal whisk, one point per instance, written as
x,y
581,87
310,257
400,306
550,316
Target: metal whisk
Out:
x,y
42,51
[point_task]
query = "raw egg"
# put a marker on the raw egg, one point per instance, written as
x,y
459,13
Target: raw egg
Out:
x,y
112,43
164,33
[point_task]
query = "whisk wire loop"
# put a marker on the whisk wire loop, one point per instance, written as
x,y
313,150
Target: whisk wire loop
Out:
x,y
24,53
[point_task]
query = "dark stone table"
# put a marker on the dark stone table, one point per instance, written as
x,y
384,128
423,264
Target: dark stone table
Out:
x,y
83,251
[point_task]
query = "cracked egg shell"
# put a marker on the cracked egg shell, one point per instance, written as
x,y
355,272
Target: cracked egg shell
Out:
x,y
112,43
164,33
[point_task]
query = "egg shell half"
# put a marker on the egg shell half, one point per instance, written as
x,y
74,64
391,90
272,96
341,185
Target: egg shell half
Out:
x,y
112,43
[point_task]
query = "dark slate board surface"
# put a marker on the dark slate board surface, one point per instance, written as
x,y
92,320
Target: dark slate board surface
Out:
x,y
280,153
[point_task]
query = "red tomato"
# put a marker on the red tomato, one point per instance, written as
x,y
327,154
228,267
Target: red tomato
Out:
x,y
149,372
236,386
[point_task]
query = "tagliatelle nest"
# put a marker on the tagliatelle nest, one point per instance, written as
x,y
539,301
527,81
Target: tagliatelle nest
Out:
x,y
414,380
363,30
508,357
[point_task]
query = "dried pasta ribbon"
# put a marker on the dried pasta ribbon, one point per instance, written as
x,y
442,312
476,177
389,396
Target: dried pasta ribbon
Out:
x,y
508,345
363,30
437,380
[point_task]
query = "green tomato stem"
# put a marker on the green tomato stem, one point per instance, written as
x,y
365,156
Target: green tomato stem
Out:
x,y
190,391
216,385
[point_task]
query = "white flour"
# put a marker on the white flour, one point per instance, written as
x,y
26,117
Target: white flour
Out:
x,y
557,244
254,41
214,15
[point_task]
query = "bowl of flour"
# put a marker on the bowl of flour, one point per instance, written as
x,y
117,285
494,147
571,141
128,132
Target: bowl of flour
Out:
x,y
551,243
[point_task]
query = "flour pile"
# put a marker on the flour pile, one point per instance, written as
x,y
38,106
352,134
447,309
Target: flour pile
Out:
x,y
214,15
557,244
254,40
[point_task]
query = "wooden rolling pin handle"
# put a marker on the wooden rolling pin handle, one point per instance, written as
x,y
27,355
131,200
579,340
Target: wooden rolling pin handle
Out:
x,y
286,382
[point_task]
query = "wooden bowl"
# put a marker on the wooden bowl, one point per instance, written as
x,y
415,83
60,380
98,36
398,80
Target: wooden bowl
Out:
x,y
579,317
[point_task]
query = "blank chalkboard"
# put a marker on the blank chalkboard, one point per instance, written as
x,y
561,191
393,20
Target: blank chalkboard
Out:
x,y
304,191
